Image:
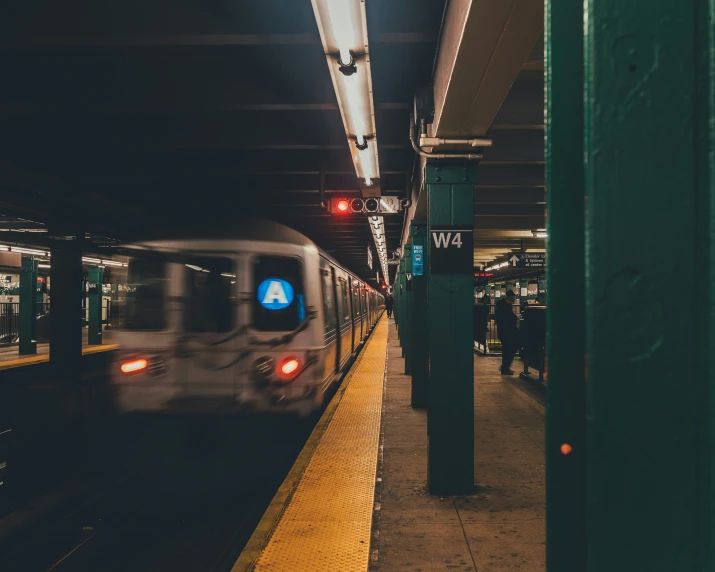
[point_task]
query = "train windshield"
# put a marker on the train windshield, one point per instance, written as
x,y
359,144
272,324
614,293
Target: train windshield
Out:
x,y
279,299
210,295
146,287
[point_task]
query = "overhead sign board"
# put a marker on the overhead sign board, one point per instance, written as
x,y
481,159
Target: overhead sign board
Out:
x,y
526,259
451,250
418,258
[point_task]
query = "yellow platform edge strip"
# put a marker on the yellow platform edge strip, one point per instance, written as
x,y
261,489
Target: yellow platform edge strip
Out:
x,y
32,360
265,531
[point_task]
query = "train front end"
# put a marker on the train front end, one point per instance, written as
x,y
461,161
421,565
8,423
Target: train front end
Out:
x,y
222,328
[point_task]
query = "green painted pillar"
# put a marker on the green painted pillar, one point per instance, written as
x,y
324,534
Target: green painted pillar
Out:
x,y
450,411
650,187
95,279
418,337
65,308
401,302
28,306
541,285
565,338
523,293
407,322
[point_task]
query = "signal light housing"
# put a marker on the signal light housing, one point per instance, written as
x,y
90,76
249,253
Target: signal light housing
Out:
x,y
385,205
371,205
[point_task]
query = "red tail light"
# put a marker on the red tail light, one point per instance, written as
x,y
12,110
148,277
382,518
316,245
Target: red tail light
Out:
x,y
288,368
343,206
134,366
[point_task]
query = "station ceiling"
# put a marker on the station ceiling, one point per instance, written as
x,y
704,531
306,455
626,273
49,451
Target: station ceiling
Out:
x,y
158,115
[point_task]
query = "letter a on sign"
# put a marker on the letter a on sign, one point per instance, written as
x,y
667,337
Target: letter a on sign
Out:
x,y
275,294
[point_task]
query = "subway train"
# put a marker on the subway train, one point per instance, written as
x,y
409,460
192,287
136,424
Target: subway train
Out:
x,y
260,320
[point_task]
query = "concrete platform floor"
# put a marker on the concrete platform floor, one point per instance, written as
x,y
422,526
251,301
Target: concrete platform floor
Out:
x,y
502,525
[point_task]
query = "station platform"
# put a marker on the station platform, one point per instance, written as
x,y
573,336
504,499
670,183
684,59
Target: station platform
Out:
x,y
356,498
10,357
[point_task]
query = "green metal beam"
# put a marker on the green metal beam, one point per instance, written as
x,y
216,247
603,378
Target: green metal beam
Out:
x,y
650,69
418,324
28,306
95,279
407,322
566,330
450,411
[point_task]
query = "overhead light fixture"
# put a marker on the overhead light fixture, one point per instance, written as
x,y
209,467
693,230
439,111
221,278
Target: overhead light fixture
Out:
x,y
342,25
539,233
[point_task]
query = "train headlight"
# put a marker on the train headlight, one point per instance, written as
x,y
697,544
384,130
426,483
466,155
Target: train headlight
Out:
x,y
263,368
288,368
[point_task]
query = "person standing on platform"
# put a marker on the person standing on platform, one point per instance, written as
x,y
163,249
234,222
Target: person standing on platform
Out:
x,y
388,305
507,331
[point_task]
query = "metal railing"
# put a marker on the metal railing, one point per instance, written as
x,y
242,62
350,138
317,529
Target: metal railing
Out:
x,y
533,341
486,334
10,320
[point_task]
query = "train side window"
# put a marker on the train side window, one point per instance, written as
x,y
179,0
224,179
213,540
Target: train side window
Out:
x,y
279,295
328,301
210,293
344,301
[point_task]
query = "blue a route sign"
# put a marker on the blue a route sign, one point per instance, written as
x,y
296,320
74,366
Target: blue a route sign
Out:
x,y
275,294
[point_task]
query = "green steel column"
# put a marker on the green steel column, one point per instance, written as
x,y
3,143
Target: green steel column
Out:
x,y
450,411
401,303
650,192
407,322
28,306
418,337
95,279
65,303
523,293
565,338
541,293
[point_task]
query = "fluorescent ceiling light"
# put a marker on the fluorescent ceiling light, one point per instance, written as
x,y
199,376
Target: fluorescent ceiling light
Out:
x,y
343,32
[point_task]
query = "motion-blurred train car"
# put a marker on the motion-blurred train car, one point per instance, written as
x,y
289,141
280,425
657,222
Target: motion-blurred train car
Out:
x,y
263,320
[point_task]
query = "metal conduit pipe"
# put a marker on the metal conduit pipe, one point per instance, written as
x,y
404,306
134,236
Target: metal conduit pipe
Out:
x,y
423,153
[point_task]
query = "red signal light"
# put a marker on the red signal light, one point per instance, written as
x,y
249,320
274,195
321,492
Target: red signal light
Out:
x,y
343,206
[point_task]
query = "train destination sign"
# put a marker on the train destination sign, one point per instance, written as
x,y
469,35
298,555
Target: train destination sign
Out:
x,y
275,294
451,250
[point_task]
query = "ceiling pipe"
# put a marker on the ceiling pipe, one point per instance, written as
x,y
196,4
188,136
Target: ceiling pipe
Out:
x,y
423,153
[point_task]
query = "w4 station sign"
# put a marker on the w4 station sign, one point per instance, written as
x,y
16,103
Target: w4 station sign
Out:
x,y
451,250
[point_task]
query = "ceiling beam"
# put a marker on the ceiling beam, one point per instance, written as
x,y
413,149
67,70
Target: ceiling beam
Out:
x,y
481,52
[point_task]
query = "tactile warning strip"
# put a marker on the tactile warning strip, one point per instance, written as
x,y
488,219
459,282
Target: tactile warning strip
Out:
x,y
326,526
